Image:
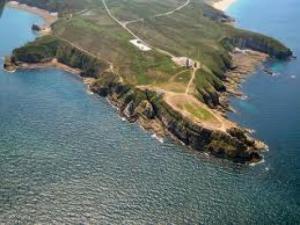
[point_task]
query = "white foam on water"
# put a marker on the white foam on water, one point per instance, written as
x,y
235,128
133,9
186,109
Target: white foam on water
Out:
x,y
122,118
161,140
257,163
89,92
252,131
244,97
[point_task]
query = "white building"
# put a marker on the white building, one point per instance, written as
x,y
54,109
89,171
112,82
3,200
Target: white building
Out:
x,y
140,45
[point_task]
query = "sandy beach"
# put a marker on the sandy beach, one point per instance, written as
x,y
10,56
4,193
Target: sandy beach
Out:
x,y
48,17
223,5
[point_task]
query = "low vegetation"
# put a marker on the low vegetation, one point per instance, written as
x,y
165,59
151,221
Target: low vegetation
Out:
x,y
149,84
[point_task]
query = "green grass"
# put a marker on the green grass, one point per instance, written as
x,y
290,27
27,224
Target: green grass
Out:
x,y
189,33
183,77
103,37
198,112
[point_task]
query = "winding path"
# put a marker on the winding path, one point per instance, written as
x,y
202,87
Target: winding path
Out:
x,y
160,14
223,123
195,69
174,10
124,24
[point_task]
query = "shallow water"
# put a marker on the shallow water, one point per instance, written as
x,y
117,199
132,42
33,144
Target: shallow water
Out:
x,y
66,157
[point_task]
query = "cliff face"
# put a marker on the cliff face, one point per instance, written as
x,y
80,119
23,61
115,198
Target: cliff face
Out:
x,y
257,42
149,107
261,46
135,104
46,48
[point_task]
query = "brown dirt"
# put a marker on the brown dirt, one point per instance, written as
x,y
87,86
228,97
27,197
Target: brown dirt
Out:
x,y
216,123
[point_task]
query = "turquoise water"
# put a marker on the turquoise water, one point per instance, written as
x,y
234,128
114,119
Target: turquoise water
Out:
x,y
67,158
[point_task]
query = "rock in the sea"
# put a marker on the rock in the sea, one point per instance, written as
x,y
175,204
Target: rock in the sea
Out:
x,y
36,27
9,64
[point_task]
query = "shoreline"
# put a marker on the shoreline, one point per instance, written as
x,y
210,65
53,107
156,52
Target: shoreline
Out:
x,y
244,63
158,128
54,64
48,17
223,5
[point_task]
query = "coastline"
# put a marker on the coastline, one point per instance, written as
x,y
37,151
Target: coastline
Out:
x,y
48,18
159,127
244,63
223,5
51,64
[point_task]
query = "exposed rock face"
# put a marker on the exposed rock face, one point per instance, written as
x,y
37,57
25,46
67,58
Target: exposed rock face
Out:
x,y
129,110
149,107
234,144
9,64
261,45
36,27
145,109
216,15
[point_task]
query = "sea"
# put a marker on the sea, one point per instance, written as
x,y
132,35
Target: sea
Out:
x,y
66,157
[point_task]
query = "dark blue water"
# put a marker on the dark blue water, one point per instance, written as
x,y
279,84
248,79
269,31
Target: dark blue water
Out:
x,y
67,158
273,107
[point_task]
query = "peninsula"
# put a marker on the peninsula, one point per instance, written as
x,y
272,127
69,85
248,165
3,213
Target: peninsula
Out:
x,y
169,65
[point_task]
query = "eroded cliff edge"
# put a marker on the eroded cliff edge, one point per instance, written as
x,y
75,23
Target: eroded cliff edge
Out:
x,y
147,106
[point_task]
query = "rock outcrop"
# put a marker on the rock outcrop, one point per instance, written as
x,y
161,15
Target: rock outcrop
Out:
x,y
9,64
234,144
258,42
148,107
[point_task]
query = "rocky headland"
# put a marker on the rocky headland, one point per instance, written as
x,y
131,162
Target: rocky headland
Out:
x,y
148,106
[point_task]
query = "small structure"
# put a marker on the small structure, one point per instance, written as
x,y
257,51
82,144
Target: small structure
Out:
x,y
140,45
184,61
55,14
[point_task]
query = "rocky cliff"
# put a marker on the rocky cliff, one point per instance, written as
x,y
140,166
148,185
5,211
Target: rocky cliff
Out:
x,y
146,106
257,42
48,47
134,104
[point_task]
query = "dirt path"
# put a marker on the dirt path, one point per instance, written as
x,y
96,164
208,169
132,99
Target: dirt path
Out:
x,y
174,10
217,123
124,26
195,69
160,14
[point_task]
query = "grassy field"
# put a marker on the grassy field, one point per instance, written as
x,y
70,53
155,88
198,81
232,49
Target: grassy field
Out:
x,y
194,31
198,112
187,32
97,33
